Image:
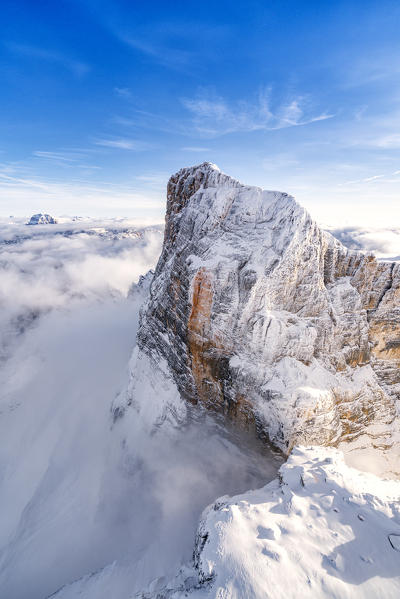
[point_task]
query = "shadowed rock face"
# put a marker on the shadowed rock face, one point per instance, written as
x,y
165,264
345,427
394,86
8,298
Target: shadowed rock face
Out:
x,y
261,315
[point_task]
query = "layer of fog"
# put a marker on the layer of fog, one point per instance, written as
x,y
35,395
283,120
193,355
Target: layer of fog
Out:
x,y
383,242
60,266
75,497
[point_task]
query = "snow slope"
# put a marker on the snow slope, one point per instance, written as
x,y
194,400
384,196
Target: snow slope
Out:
x,y
323,530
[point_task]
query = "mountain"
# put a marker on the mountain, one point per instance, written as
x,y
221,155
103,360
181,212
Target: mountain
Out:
x,y
256,312
256,325
42,219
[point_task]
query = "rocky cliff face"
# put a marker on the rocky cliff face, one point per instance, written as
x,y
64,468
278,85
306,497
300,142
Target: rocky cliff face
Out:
x,y
256,312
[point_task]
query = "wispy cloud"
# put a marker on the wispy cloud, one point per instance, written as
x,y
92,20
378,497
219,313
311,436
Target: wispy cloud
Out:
x,y
77,67
195,149
379,130
124,144
373,178
388,141
177,45
281,161
144,119
71,159
153,178
360,112
123,92
8,180
53,156
215,116
156,181
370,179
161,53
373,67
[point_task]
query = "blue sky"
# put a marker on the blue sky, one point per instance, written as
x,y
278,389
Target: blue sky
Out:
x,y
102,100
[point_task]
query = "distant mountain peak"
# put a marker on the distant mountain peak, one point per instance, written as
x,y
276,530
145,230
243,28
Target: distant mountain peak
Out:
x,y
42,219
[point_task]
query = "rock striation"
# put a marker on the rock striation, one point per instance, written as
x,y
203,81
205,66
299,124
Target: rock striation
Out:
x,y
256,312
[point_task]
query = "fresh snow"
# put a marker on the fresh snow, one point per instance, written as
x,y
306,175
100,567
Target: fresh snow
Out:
x,y
322,530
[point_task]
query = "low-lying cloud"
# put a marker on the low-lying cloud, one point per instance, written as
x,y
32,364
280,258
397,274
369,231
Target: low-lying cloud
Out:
x,y
383,242
79,494
60,266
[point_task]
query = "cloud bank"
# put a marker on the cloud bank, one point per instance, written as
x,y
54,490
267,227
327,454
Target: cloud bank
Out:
x,y
79,493
383,242
62,266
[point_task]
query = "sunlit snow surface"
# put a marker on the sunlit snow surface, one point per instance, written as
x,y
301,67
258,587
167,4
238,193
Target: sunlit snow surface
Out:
x,y
75,497
322,531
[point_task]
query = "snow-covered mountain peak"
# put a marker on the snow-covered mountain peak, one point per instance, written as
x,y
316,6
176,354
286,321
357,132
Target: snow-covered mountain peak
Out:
x,y
206,177
257,313
42,219
221,216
